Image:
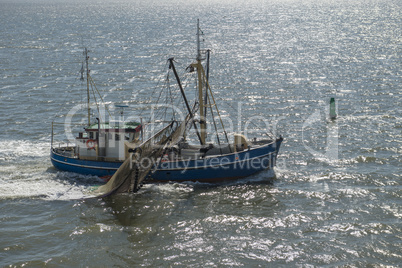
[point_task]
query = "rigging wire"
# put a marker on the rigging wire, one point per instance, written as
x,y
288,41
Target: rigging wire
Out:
x,y
152,94
213,120
172,97
270,135
93,85
216,107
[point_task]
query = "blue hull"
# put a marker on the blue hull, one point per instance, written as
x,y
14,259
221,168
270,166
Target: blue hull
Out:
x,y
85,167
210,169
220,168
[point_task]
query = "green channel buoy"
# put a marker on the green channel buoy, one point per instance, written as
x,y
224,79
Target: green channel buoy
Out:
x,y
332,109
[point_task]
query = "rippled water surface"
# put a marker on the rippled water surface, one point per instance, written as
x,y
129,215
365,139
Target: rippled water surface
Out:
x,y
336,198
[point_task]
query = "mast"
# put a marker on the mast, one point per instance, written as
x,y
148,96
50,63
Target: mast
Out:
x,y
203,80
171,66
198,65
88,96
206,85
198,41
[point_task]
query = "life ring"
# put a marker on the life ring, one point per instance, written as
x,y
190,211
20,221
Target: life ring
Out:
x,y
165,158
91,144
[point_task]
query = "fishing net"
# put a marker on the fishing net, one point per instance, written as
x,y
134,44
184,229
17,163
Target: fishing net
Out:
x,y
135,169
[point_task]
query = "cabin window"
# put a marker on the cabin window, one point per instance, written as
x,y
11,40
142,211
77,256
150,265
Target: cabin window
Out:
x,y
117,137
91,135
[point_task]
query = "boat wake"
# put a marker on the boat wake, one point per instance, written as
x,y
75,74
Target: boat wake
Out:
x,y
26,172
41,188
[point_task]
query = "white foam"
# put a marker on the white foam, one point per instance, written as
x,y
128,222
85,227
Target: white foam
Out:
x,y
14,149
43,185
26,172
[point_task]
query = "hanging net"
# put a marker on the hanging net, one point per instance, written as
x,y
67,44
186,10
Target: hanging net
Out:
x,y
132,173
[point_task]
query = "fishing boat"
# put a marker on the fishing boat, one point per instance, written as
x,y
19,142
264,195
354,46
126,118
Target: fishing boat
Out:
x,y
169,155
102,146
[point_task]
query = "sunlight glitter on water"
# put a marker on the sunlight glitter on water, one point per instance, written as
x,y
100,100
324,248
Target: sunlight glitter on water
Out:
x,y
282,60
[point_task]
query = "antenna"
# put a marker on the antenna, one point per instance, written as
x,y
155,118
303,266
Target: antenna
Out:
x,y
198,40
199,33
121,106
88,100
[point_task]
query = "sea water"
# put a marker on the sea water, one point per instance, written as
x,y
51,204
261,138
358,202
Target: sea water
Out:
x,y
336,196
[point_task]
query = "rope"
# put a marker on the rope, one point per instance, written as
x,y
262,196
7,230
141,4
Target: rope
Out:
x,y
270,136
100,96
216,107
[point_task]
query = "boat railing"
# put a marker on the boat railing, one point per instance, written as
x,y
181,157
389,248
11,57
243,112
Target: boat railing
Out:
x,y
59,137
65,150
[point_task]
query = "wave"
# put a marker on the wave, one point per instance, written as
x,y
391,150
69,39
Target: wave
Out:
x,y
15,149
26,172
41,187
